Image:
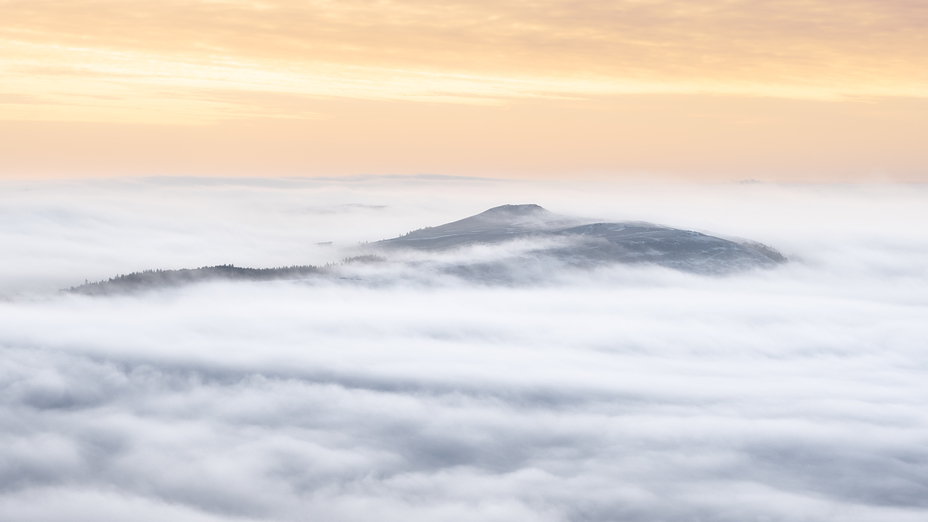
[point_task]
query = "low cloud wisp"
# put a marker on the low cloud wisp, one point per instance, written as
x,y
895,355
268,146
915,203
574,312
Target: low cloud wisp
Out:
x,y
627,393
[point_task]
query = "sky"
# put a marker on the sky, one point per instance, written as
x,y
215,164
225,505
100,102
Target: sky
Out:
x,y
704,90
629,393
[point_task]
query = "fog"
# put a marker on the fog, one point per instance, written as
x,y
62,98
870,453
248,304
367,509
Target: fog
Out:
x,y
624,393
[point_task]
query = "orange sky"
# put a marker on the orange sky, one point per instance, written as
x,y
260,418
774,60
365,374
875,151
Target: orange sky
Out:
x,y
812,90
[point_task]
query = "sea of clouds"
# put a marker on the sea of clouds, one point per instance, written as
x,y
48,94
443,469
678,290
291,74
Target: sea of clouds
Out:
x,y
631,393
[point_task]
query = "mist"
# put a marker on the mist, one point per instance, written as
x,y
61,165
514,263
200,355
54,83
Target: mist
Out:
x,y
623,393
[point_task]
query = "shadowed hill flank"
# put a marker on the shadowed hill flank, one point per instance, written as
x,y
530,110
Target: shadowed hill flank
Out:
x,y
570,241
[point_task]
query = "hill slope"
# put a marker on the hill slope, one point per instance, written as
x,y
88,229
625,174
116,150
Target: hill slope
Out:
x,y
574,242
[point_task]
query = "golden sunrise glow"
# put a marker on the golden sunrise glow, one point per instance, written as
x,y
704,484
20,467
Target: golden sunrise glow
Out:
x,y
202,62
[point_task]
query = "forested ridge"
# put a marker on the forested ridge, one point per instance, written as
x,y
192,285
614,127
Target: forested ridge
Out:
x,y
148,279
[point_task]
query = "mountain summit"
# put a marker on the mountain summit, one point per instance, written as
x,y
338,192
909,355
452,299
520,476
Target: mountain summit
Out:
x,y
526,242
495,225
579,242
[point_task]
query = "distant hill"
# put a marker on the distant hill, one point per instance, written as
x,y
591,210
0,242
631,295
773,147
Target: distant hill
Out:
x,y
550,241
574,242
151,279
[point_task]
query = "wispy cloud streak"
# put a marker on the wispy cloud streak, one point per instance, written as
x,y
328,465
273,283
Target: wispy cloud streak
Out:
x,y
195,62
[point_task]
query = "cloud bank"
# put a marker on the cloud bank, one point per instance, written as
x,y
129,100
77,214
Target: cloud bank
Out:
x,y
624,394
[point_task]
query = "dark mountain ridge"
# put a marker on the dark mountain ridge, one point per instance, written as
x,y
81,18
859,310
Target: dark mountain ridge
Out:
x,y
152,279
555,241
582,243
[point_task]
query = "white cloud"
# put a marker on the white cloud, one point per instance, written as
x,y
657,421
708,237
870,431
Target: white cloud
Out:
x,y
626,394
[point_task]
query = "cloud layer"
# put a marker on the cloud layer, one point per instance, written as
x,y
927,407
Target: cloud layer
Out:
x,y
627,394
